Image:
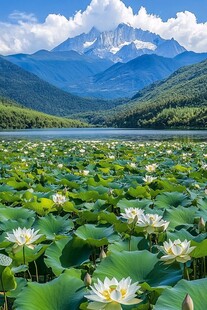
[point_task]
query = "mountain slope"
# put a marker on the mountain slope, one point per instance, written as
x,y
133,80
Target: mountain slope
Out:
x,y
177,102
60,68
32,92
14,116
181,100
125,79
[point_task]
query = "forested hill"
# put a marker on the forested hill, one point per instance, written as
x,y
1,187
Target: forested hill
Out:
x,y
32,92
179,101
14,116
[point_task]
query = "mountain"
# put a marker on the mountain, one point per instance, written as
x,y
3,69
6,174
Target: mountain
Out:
x,y
14,116
125,79
94,77
32,92
60,68
121,44
179,101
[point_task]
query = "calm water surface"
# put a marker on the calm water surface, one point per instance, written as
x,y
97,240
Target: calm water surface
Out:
x,y
105,134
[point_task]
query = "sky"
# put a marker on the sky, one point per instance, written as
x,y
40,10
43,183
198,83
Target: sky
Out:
x,y
30,25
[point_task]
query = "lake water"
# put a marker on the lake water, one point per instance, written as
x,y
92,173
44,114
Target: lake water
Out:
x,y
105,134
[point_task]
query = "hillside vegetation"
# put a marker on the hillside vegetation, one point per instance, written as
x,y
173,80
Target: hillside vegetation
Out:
x,y
32,92
177,102
13,116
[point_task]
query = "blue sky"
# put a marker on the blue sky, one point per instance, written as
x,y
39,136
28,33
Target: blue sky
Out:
x,y
41,8
27,26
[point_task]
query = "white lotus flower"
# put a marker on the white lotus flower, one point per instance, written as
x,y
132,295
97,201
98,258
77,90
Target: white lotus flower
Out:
x,y
58,199
177,251
151,168
111,294
132,165
23,237
131,213
152,223
149,179
85,172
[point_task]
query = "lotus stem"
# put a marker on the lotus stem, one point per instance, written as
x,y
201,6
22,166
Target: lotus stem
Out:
x,y
130,237
186,272
194,269
150,242
36,271
23,252
24,260
204,267
5,297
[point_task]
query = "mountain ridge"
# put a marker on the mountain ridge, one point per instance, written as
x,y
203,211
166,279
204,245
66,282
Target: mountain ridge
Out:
x,y
110,44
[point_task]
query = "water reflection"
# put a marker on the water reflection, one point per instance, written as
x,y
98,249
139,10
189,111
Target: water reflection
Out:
x,y
106,134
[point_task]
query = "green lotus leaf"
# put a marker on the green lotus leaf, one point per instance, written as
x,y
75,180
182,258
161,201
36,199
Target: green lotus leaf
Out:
x,y
10,197
139,192
20,284
180,216
174,199
52,226
141,266
179,234
68,206
64,293
172,298
88,196
53,253
96,236
15,214
41,207
66,253
30,255
18,185
8,281
136,203
106,217
123,245
168,186
200,250
12,218
69,184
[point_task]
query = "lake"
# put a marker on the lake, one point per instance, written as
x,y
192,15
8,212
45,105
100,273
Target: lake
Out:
x,y
105,134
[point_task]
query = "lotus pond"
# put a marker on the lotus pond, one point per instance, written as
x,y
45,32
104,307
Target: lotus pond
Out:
x,y
103,225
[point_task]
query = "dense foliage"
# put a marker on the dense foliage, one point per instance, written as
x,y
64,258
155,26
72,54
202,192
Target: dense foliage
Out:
x,y
178,102
185,88
13,116
83,208
32,92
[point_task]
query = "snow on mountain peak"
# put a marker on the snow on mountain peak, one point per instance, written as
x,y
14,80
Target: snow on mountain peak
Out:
x,y
111,44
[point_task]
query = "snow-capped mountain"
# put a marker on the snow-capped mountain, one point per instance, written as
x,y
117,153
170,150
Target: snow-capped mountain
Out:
x,y
122,44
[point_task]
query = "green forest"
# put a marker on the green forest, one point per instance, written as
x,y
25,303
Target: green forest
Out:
x,y
177,102
13,116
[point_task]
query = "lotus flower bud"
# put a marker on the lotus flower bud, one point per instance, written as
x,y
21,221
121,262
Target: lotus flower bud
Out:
x,y
102,254
201,225
87,279
187,303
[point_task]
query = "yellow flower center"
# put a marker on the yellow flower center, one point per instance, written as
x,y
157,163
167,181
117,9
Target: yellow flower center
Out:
x,y
123,292
27,238
107,293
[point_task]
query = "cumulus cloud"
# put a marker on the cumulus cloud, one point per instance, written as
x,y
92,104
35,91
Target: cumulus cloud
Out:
x,y
27,35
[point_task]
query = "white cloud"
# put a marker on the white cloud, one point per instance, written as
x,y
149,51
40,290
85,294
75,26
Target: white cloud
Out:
x,y
22,16
27,35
